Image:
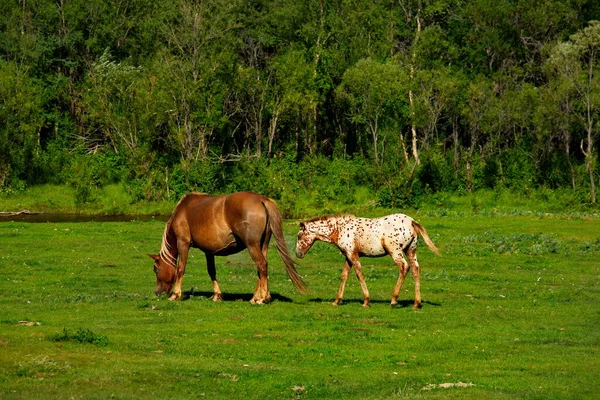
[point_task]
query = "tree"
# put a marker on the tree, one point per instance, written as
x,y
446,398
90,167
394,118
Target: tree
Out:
x,y
200,44
576,62
480,115
374,94
20,123
294,93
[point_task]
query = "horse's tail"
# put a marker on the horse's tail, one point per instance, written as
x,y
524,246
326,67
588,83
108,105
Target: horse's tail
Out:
x,y
420,230
276,225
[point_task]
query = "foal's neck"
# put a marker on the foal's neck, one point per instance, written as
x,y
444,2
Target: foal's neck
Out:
x,y
330,229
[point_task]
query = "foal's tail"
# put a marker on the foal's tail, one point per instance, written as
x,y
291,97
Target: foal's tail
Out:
x,y
420,230
276,225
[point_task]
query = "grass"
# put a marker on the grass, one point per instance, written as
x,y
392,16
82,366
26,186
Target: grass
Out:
x,y
108,200
511,310
116,200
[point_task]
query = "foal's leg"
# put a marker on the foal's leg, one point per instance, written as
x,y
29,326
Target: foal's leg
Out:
x,y
361,278
344,278
402,271
183,248
411,253
212,272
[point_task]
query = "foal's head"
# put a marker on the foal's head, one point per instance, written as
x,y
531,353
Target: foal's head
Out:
x,y
306,238
165,275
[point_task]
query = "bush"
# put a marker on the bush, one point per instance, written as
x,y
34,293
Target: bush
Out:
x,y
81,336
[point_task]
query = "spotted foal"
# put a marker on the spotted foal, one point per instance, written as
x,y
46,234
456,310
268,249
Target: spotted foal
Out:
x,y
395,235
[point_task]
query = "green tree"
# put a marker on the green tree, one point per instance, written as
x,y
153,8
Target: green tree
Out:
x,y
294,94
576,62
20,123
373,93
200,43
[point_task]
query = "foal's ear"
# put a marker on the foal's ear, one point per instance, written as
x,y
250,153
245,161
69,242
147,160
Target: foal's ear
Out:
x,y
155,257
302,226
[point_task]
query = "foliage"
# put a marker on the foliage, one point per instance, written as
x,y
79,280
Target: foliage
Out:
x,y
210,95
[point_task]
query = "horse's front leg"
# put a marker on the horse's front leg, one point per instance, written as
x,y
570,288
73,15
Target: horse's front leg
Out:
x,y
343,279
212,272
361,278
183,248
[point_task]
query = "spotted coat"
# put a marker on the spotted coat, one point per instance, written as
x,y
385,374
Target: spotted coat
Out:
x,y
394,234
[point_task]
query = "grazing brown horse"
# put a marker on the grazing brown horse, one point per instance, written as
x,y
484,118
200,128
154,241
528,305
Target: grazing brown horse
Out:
x,y
395,235
220,226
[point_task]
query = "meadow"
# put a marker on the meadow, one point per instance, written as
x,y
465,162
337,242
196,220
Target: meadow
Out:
x,y
510,310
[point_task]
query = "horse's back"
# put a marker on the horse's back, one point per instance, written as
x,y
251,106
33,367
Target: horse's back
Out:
x,y
213,222
240,204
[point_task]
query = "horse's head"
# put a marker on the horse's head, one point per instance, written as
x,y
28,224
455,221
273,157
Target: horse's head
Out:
x,y
165,275
306,238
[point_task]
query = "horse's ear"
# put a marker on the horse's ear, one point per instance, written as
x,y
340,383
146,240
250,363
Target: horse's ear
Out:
x,y
155,257
302,226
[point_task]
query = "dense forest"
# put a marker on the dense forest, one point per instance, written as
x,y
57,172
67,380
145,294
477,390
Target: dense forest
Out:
x,y
402,98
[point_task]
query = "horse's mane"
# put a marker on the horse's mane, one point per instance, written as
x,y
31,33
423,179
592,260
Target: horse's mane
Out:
x,y
328,217
166,249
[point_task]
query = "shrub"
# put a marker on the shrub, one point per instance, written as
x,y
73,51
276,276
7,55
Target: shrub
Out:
x,y
81,336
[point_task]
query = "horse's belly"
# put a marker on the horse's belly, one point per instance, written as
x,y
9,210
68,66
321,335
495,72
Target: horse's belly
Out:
x,y
229,250
372,248
219,245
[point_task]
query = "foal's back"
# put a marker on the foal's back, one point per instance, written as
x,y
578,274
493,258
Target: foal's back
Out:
x,y
374,237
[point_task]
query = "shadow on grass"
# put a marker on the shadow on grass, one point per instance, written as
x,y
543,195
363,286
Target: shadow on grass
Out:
x,y
232,296
401,303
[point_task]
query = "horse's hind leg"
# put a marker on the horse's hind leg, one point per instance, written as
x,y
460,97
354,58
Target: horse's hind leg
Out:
x,y
212,272
261,294
416,273
343,279
402,271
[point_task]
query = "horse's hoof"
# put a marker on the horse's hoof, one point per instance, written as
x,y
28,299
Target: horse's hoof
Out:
x,y
417,306
366,305
174,297
394,304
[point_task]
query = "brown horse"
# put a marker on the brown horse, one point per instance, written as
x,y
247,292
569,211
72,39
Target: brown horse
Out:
x,y
395,235
220,226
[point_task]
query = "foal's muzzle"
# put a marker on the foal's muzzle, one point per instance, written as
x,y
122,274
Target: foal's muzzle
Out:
x,y
300,253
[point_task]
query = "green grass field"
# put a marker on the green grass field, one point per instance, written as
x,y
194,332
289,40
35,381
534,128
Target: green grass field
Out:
x,y
511,310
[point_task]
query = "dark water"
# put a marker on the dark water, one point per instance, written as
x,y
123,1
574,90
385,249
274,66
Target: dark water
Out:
x,y
57,217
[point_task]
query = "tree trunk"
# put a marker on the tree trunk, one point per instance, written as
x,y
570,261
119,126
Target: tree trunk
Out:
x,y
413,128
272,130
456,145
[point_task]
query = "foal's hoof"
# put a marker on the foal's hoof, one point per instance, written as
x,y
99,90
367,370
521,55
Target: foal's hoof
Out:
x,y
174,297
366,305
416,306
217,297
394,304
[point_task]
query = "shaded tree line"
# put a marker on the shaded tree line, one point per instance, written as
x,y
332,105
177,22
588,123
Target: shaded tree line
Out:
x,y
421,95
